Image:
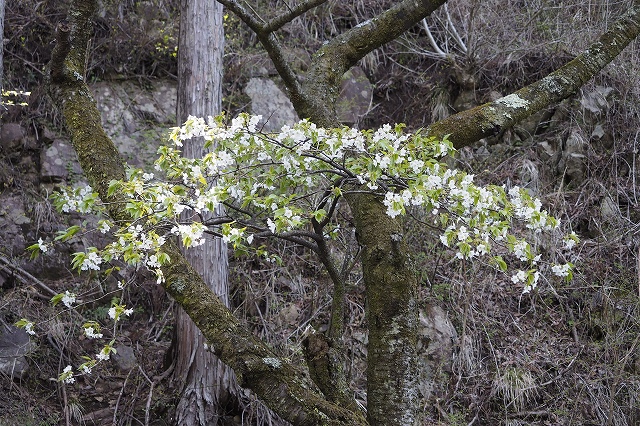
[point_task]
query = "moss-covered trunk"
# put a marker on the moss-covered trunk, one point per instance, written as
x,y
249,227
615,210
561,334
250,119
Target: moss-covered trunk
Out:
x,y
392,313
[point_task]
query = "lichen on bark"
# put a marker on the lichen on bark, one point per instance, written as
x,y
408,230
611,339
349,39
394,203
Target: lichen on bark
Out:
x,y
392,312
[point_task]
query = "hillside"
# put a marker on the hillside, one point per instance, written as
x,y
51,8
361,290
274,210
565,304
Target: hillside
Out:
x,y
566,354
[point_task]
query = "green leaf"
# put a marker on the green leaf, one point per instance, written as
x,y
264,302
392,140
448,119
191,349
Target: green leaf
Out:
x,y
68,234
78,260
163,258
319,215
22,323
34,251
57,299
500,263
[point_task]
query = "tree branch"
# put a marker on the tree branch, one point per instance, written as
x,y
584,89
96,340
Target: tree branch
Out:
x,y
281,385
332,60
60,52
325,354
467,127
270,43
279,21
248,17
283,66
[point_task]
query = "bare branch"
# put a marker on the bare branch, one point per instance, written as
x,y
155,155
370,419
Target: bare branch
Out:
x,y
279,21
351,46
270,44
325,354
60,52
321,88
454,31
283,66
439,52
248,17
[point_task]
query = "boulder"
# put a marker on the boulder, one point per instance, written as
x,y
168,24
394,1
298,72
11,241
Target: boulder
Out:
x,y
58,162
124,358
572,163
14,345
13,222
137,119
11,138
271,103
436,342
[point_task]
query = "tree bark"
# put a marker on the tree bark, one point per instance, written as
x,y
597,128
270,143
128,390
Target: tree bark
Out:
x,y
209,388
389,276
392,313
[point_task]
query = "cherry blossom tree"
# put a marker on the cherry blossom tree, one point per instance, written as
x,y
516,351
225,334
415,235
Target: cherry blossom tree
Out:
x,y
380,175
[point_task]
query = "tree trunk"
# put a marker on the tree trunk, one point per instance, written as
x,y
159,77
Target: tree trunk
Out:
x,y
209,386
392,313
282,385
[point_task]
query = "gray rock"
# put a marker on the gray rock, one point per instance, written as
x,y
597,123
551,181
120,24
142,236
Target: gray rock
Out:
x,y
596,101
610,211
47,135
58,162
271,103
573,160
124,358
13,218
11,137
14,345
137,119
356,94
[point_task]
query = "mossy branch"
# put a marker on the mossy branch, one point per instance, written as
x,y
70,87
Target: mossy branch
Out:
x,y
331,61
467,127
315,97
60,52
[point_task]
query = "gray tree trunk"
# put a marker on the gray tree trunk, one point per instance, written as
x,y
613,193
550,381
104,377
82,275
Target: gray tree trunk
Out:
x,y
208,385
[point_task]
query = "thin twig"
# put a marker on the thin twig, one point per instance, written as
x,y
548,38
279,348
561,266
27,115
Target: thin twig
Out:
x,y
432,41
67,414
454,31
13,268
115,409
279,21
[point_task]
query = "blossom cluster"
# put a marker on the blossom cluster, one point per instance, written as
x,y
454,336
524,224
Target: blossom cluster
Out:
x,y
81,199
91,330
276,184
250,185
